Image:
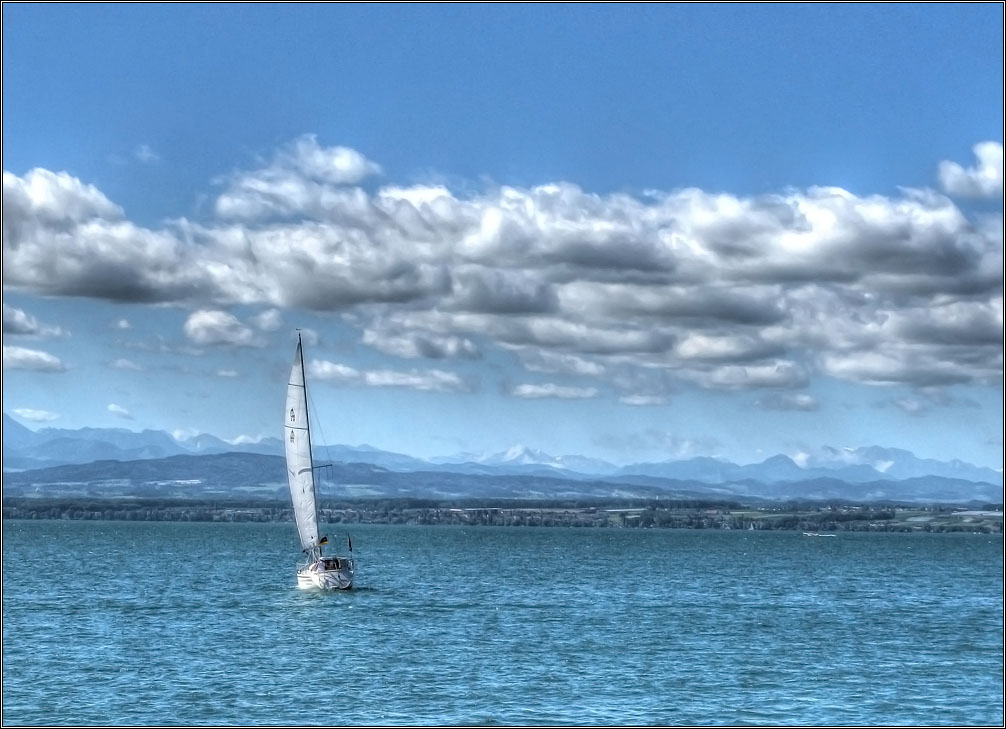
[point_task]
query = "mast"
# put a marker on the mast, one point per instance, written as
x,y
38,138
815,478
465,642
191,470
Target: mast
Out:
x,y
307,423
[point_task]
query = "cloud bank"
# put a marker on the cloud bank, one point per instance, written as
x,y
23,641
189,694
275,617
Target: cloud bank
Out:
x,y
627,293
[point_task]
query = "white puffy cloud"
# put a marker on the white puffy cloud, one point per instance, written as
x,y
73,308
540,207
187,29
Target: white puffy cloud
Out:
x,y
412,344
268,321
227,373
771,374
302,178
642,400
429,380
335,165
125,364
543,360
985,179
37,416
434,380
17,321
718,290
55,199
724,348
924,367
332,371
548,389
210,327
119,411
21,358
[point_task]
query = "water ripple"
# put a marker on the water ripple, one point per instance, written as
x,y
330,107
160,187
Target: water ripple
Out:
x,y
489,627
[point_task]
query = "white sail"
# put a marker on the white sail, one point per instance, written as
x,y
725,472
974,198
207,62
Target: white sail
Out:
x,y
299,463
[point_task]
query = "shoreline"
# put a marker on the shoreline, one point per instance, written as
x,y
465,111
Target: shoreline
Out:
x,y
810,518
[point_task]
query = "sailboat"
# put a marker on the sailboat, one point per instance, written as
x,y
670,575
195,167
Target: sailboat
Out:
x,y
318,571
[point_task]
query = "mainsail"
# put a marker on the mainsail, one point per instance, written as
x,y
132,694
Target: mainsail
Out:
x,y
299,463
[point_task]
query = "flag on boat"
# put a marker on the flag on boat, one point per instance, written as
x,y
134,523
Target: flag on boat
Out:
x,y
323,540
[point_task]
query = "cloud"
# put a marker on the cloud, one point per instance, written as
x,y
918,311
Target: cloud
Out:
x,y
434,380
16,321
772,374
721,291
227,373
209,327
145,154
122,324
642,400
54,199
125,364
899,365
411,344
728,348
303,178
561,392
911,405
183,434
429,380
925,400
333,371
788,401
119,410
37,416
246,439
20,358
983,180
268,321
543,360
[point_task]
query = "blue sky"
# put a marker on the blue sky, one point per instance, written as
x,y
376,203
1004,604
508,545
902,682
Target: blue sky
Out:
x,y
635,232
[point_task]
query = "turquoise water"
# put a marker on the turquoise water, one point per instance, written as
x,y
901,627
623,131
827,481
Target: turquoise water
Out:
x,y
188,623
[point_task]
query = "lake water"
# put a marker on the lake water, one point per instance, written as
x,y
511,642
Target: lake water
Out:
x,y
200,623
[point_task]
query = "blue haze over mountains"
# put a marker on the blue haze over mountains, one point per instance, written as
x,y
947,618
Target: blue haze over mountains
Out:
x,y
98,455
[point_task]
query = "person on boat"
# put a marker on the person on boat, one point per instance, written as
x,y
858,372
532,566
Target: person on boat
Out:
x,y
320,567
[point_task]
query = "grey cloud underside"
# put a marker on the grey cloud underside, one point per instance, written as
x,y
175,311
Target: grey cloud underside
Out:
x,y
713,289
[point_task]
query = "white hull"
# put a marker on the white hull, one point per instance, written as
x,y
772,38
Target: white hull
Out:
x,y
309,578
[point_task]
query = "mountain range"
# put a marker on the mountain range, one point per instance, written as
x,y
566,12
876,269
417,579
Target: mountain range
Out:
x,y
153,460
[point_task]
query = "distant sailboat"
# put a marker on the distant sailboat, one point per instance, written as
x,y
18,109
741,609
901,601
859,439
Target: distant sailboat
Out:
x,y
326,573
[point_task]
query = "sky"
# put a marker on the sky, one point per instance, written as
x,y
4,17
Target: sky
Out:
x,y
633,232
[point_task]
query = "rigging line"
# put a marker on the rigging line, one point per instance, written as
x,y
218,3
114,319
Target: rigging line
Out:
x,y
321,429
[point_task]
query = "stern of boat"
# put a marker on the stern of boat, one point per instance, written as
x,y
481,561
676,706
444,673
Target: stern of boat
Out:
x,y
327,578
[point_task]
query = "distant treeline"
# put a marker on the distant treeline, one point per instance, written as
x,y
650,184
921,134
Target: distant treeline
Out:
x,y
696,514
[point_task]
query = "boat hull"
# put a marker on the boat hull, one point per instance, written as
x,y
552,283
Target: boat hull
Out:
x,y
337,579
